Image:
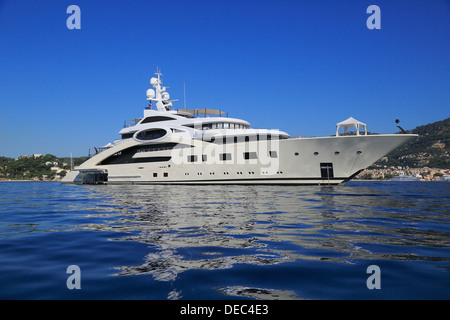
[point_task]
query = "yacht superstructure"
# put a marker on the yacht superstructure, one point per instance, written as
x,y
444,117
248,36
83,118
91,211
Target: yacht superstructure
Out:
x,y
206,146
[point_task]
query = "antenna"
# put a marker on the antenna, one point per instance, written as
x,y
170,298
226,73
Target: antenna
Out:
x,y
158,72
184,87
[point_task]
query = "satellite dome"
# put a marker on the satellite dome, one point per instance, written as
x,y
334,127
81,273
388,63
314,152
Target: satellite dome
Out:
x,y
165,96
150,94
154,81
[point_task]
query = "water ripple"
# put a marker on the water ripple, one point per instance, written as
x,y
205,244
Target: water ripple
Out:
x,y
176,231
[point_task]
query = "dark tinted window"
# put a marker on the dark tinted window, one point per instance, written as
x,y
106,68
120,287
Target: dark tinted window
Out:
x,y
250,155
192,158
151,134
156,119
126,156
225,156
127,135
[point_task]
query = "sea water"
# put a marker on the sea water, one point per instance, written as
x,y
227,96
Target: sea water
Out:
x,y
361,240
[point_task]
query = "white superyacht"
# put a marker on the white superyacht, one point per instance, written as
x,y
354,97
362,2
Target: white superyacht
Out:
x,y
205,146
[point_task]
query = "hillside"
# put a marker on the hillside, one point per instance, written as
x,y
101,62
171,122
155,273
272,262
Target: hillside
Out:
x,y
431,148
47,167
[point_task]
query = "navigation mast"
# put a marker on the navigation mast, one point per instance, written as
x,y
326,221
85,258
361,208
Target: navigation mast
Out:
x,y
159,93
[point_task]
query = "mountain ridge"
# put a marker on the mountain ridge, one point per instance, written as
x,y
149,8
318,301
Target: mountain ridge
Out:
x,y
430,149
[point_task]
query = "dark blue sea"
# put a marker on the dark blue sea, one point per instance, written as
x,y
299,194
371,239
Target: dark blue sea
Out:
x,y
361,240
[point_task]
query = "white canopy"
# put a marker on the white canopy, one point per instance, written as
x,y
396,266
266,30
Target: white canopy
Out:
x,y
109,145
351,122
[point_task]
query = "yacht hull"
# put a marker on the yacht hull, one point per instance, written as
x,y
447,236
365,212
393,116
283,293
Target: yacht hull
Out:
x,y
297,161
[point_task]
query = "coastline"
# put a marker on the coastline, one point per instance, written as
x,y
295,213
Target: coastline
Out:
x,y
353,180
9,180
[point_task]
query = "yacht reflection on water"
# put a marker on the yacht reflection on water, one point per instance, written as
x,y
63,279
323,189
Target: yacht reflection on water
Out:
x,y
217,227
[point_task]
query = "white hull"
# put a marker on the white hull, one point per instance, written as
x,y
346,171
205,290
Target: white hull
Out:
x,y
323,160
168,146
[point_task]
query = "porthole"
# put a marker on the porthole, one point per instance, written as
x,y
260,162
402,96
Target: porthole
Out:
x,y
316,153
296,154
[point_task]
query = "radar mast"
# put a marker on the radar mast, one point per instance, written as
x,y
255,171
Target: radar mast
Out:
x,y
159,93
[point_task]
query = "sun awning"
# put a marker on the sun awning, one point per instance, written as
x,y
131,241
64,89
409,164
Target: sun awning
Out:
x,y
351,122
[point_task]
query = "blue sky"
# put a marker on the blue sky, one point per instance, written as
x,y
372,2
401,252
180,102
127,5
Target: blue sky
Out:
x,y
299,66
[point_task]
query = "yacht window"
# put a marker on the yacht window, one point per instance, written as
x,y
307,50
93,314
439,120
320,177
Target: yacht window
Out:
x,y
151,159
156,119
225,156
151,134
126,156
165,174
192,158
204,158
250,155
273,154
155,174
127,135
226,125
162,146
207,126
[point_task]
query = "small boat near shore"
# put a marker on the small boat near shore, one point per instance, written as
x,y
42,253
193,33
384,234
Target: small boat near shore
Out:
x,y
405,178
